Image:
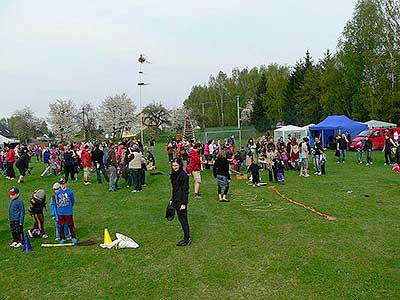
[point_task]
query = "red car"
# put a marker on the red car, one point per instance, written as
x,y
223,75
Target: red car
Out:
x,y
376,135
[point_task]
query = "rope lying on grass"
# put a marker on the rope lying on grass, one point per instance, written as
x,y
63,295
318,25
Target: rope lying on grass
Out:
x,y
310,208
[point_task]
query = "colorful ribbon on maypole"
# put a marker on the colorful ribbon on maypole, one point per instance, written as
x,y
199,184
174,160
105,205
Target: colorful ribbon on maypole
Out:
x,y
310,208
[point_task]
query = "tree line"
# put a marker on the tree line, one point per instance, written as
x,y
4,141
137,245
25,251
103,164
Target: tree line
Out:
x,y
361,79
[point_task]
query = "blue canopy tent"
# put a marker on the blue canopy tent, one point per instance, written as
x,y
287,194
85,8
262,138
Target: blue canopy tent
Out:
x,y
328,128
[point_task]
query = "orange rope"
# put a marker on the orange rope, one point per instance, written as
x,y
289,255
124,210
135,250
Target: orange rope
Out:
x,y
328,217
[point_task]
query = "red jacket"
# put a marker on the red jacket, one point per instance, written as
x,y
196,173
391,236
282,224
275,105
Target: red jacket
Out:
x,y
86,159
10,157
194,158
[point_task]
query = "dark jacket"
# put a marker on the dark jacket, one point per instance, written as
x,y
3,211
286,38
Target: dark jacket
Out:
x,y
16,211
180,187
221,167
23,161
97,156
36,206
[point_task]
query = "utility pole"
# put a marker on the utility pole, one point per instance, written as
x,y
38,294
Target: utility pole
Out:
x,y
202,109
83,123
238,111
222,110
141,60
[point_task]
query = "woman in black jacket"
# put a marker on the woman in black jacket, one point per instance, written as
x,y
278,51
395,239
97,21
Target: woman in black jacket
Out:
x,y
180,198
221,173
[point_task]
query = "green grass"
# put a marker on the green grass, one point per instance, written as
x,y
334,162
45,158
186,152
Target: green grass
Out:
x,y
259,246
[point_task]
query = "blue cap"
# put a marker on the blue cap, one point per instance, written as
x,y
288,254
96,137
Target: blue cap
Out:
x,y
13,191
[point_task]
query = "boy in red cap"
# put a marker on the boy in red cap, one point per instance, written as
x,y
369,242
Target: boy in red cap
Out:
x,y
16,215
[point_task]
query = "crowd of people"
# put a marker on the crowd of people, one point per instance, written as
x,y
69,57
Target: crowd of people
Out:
x,y
129,160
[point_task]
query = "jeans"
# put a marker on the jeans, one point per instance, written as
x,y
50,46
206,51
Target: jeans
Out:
x,y
113,178
317,163
342,155
368,154
388,156
226,190
101,168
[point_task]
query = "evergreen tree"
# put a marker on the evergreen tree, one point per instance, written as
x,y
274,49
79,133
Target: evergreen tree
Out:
x,y
258,116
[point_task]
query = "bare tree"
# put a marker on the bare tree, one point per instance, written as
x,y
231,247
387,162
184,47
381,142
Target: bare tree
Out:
x,y
116,114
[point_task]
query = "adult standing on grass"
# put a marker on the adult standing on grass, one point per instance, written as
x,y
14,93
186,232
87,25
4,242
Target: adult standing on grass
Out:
x,y
69,163
112,165
180,198
387,149
221,173
97,158
317,151
22,164
86,164
368,150
10,160
135,166
342,147
304,151
194,168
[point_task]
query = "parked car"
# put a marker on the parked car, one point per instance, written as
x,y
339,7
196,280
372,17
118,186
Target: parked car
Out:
x,y
376,135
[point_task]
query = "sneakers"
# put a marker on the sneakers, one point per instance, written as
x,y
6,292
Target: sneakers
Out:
x,y
18,245
184,243
13,244
30,233
45,236
307,175
74,240
135,191
197,196
62,242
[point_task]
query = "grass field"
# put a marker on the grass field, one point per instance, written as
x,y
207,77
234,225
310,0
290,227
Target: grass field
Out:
x,y
259,246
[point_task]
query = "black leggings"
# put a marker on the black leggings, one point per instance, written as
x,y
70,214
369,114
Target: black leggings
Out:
x,y
225,190
388,156
69,170
183,219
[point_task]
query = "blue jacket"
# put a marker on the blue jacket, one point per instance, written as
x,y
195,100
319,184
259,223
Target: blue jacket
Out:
x,y
53,207
16,211
65,202
46,156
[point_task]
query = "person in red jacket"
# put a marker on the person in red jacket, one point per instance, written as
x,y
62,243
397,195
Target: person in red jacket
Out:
x,y
194,168
10,160
86,164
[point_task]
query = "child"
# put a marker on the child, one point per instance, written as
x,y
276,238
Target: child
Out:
x,y
359,155
254,169
323,164
279,166
38,202
54,214
16,215
65,202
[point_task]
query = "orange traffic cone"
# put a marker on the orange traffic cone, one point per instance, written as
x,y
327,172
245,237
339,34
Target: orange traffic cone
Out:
x,y
107,238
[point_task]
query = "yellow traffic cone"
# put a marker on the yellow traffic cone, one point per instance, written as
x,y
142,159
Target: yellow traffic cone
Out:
x,y
107,238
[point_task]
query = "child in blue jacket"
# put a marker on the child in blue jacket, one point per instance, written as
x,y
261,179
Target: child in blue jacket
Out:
x,y
65,202
54,214
16,215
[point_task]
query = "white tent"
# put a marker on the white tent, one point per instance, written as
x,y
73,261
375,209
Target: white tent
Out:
x,y
377,124
294,131
307,129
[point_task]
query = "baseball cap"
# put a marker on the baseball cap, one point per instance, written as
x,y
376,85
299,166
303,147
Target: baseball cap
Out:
x,y
13,191
62,180
56,186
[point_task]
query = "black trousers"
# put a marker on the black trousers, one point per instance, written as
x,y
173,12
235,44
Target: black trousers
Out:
x,y
17,231
183,219
226,190
10,170
69,170
270,172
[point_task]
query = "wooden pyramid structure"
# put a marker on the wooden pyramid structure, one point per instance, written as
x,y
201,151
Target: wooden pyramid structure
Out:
x,y
188,131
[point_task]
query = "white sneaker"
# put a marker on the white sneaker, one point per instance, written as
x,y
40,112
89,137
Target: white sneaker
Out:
x,y
45,236
307,175
319,174
18,245
13,244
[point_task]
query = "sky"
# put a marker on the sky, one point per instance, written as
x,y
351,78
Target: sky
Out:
x,y
86,50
